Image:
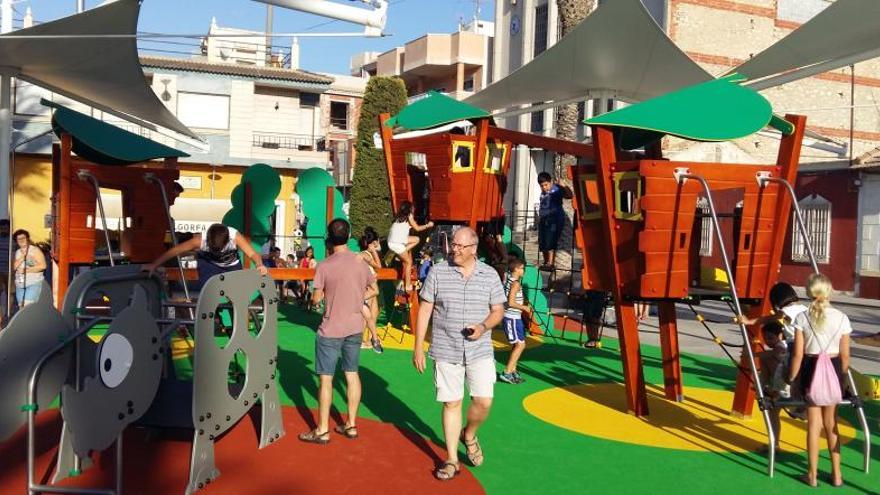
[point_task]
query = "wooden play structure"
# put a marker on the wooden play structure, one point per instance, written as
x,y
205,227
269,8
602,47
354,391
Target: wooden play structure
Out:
x,y
636,220
76,214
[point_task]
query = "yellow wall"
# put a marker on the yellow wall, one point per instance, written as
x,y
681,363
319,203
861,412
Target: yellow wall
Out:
x,y
33,189
32,185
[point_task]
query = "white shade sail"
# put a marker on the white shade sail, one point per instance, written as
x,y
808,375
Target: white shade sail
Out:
x,y
69,56
617,50
846,32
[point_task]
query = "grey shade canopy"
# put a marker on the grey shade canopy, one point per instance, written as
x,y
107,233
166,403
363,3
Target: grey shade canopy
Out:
x,y
104,73
618,50
846,32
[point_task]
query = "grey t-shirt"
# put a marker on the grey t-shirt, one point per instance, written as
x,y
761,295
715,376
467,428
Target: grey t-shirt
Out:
x,y
460,302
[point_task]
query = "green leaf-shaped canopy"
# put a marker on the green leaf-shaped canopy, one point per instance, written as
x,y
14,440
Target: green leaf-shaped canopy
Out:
x,y
105,144
434,110
718,110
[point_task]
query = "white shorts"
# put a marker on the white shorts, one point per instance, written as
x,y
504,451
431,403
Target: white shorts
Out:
x,y
449,379
397,247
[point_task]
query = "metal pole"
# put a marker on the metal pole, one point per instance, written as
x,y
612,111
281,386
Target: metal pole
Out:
x,y
5,138
80,6
151,177
87,176
269,22
11,196
681,176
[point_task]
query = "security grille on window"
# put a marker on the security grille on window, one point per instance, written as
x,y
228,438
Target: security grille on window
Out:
x,y
706,232
816,211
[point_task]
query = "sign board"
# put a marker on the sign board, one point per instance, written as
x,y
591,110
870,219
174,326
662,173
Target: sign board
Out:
x,y
190,182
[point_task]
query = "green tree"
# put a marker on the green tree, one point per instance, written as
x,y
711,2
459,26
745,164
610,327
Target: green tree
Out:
x,y
371,190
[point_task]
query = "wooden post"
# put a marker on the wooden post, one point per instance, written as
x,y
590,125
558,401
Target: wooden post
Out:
x,y
248,213
62,174
330,205
478,200
786,168
669,349
627,325
386,134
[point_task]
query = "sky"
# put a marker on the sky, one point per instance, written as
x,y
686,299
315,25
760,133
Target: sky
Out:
x,y
407,20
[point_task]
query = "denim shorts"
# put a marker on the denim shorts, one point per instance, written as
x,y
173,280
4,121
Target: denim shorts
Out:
x,y
549,230
328,350
27,294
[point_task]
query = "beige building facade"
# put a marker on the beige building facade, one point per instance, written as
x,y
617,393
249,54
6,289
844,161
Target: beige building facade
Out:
x,y
458,64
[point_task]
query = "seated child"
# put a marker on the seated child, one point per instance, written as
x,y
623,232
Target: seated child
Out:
x,y
512,322
425,265
369,244
402,243
774,370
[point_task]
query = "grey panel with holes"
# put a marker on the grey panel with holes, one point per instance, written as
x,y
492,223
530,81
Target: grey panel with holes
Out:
x,y
117,283
217,404
105,286
30,334
122,383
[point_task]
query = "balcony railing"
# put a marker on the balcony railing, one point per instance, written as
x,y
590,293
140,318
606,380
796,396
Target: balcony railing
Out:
x,y
276,141
340,123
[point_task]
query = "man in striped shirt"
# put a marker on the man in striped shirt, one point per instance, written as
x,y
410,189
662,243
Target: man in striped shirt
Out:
x,y
465,298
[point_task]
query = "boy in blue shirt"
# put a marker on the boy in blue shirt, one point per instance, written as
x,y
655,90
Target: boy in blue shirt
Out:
x,y
551,217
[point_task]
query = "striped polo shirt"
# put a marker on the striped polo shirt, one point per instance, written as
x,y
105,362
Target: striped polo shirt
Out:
x,y
460,302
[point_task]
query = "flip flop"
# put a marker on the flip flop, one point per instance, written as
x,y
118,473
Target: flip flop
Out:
x,y
805,478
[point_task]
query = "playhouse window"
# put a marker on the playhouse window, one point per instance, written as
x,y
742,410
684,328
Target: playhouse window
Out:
x,y
816,211
495,154
706,229
589,191
462,156
627,192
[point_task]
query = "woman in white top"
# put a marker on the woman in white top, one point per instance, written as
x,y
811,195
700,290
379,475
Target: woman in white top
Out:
x,y
820,329
29,265
402,243
217,252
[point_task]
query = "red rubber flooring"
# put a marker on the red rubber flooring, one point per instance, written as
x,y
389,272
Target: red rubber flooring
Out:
x,y
384,459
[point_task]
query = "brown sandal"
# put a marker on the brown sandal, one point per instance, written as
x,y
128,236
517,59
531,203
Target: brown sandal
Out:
x,y
312,436
349,432
443,474
476,457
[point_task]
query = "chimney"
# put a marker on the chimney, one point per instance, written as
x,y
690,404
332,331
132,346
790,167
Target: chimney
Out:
x,y
28,18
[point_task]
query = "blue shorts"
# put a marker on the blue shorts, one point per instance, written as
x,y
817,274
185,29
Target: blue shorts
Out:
x,y
329,350
549,230
514,329
27,294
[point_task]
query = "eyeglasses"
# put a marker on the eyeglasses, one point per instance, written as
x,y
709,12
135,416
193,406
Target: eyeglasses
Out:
x,y
461,246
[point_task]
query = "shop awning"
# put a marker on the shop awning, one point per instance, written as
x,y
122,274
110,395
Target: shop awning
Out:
x,y
190,214
105,144
70,57
617,51
434,110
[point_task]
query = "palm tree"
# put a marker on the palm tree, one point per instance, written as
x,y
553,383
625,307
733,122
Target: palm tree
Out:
x,y
571,13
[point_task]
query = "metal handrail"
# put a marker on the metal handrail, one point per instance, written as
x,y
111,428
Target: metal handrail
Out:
x,y
681,176
87,176
151,177
763,180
